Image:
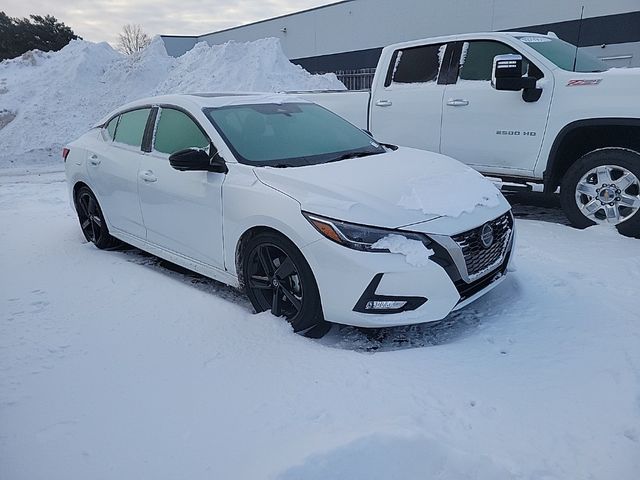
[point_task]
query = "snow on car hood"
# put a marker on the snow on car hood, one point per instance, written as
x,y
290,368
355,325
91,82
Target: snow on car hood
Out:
x,y
390,190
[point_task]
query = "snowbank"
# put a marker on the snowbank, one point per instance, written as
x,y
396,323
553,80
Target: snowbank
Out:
x,y
48,99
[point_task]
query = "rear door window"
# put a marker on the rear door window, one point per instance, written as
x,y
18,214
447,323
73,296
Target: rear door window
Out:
x,y
131,127
177,131
416,64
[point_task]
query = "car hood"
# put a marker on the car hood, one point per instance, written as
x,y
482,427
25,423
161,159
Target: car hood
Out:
x,y
392,190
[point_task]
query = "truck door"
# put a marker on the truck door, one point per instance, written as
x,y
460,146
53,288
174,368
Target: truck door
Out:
x,y
407,108
493,131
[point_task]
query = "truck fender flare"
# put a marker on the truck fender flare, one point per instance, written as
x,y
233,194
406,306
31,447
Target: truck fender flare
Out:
x,y
553,160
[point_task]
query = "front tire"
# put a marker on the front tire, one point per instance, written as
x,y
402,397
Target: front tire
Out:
x,y
92,222
603,187
278,278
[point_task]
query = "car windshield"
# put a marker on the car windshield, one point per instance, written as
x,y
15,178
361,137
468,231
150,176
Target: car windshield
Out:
x,y
563,54
289,134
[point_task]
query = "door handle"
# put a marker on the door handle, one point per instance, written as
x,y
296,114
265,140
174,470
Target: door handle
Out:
x,y
458,102
384,103
94,160
148,176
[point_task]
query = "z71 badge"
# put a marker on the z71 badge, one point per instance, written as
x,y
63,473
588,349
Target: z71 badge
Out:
x,y
581,83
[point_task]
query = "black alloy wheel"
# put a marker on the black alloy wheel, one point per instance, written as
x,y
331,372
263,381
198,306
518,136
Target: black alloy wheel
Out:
x,y
92,222
278,278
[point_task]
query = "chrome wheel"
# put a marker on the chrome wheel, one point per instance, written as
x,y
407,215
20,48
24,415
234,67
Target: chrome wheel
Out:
x,y
608,194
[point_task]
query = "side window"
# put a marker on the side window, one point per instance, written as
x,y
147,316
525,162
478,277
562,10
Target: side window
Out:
x,y
476,61
416,64
111,128
131,127
177,131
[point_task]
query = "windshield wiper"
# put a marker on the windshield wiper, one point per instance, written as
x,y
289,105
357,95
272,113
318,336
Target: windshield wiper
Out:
x,y
346,156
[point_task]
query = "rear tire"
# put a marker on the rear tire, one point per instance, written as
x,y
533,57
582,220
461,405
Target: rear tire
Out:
x,y
278,278
603,187
92,222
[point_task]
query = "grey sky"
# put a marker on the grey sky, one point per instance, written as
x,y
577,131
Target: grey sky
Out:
x,y
102,20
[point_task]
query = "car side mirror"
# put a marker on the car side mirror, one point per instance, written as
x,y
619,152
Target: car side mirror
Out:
x,y
194,160
507,76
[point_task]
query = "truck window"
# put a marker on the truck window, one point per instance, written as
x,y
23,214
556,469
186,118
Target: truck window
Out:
x,y
476,61
563,54
415,65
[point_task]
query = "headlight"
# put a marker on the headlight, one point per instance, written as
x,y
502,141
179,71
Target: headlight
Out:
x,y
357,237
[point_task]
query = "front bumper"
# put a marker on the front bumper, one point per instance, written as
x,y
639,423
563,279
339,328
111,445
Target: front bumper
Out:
x,y
345,277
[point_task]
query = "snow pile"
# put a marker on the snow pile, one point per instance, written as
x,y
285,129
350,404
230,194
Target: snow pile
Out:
x,y
450,195
414,251
49,99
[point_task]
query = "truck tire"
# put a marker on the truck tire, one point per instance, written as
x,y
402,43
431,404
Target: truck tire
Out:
x,y
603,187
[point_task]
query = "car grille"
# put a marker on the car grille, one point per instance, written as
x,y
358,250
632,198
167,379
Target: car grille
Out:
x,y
479,259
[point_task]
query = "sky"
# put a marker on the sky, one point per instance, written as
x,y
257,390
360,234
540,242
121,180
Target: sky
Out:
x,y
102,20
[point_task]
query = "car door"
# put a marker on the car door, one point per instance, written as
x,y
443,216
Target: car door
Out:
x,y
407,109
182,211
494,131
113,163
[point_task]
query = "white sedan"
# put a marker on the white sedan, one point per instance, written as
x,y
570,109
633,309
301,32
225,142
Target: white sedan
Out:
x,y
308,214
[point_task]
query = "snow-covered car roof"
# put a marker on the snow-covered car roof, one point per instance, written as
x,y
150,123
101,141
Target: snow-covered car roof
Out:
x,y
198,101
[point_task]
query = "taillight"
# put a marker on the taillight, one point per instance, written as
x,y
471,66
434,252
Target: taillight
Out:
x,y
65,153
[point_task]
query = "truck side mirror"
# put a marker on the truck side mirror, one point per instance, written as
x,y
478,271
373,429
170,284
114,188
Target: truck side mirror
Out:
x,y
507,72
507,75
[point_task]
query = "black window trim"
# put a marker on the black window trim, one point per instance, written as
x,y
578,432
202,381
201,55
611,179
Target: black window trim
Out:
x,y
105,127
119,115
389,77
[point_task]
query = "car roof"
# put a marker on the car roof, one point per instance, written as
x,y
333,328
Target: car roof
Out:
x,y
198,101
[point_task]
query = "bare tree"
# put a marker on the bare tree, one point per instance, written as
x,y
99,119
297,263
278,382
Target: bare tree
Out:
x,y
132,39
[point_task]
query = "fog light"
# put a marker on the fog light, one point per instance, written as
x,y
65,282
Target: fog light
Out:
x,y
384,305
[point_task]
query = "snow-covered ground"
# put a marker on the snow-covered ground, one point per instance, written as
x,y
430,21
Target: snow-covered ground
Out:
x,y
115,366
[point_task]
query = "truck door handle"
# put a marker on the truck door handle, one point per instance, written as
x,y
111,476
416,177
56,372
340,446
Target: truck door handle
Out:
x,y
148,176
458,102
94,160
384,103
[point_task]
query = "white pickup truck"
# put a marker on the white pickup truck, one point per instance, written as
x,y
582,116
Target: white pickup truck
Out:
x,y
526,108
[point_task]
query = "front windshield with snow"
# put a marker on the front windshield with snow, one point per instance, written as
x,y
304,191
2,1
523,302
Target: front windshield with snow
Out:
x,y
289,134
563,54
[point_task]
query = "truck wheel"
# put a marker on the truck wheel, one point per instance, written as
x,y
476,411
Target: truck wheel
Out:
x,y
603,187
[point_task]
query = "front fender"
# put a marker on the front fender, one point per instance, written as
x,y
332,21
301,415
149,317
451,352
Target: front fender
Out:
x,y
270,208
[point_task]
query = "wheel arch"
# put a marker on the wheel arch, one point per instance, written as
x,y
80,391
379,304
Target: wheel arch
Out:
x,y
583,136
247,235
77,186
